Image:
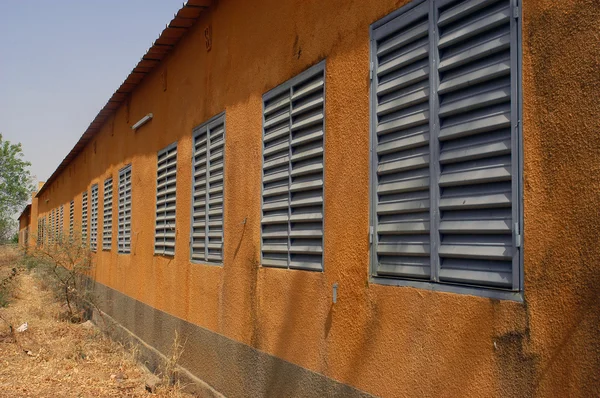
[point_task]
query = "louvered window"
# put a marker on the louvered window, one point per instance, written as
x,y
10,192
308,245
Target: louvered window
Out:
x,y
107,217
94,219
84,217
61,221
164,238
39,232
124,225
71,218
207,194
44,234
55,232
292,181
445,144
51,227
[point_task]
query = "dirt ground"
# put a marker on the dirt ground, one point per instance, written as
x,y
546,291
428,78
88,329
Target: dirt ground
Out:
x,y
56,358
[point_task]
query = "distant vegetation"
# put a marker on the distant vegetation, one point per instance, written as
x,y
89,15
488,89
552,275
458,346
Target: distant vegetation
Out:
x,y
15,187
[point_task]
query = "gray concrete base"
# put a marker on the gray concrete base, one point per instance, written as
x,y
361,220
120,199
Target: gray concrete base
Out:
x,y
210,364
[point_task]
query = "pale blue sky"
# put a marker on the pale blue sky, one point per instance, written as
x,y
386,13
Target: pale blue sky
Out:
x,y
61,60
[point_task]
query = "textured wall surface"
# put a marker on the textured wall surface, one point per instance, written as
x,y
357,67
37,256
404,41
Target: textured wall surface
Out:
x,y
388,341
561,117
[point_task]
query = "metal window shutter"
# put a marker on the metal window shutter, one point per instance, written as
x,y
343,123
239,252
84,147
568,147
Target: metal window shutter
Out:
x,y
107,216
44,234
61,222
51,225
292,197
475,141
84,217
56,225
164,238
401,150
124,222
94,219
445,207
199,193
71,218
207,200
216,149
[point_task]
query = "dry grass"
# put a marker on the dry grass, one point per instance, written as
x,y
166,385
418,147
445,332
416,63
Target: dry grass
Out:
x,y
54,358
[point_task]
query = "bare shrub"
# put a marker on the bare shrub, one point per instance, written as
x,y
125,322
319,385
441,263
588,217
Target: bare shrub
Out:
x,y
64,265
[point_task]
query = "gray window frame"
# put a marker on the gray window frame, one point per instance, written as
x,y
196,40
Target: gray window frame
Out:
x,y
516,294
215,120
319,67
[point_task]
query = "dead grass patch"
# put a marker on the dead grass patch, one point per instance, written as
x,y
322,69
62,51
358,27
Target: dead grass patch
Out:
x,y
55,358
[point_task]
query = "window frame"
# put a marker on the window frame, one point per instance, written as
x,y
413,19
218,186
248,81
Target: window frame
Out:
x,y
516,52
196,131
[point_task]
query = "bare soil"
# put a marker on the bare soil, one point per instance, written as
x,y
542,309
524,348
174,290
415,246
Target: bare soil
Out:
x,y
56,358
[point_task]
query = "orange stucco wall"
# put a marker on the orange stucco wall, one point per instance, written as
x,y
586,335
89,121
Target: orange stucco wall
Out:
x,y
389,341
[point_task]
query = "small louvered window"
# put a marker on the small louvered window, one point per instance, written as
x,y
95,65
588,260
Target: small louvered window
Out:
x,y
164,238
44,233
84,217
107,217
124,225
61,221
51,227
207,195
39,232
94,219
445,137
292,181
71,218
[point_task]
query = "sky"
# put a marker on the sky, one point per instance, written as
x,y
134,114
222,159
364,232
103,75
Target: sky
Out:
x,y
60,62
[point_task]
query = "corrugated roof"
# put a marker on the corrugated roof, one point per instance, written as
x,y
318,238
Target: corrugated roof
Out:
x,y
184,19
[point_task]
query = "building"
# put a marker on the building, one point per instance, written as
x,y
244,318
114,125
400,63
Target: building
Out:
x,y
394,198
24,222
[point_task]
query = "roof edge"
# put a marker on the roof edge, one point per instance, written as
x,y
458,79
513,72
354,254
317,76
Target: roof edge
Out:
x,y
182,21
